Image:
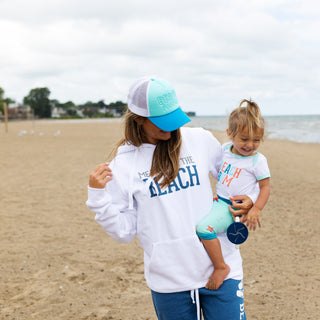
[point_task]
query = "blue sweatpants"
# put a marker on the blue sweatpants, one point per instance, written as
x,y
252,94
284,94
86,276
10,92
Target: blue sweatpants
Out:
x,y
226,303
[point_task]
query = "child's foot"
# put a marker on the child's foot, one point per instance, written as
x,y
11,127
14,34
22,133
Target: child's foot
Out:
x,y
217,277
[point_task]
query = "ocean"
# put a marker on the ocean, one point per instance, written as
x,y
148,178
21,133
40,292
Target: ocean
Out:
x,y
299,128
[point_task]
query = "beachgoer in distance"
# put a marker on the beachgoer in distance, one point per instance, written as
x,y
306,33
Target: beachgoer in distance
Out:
x,y
157,188
243,171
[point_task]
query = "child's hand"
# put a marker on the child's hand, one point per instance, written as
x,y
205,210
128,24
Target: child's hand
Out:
x,y
253,218
100,176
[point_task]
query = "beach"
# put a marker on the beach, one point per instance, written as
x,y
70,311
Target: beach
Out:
x,y
58,263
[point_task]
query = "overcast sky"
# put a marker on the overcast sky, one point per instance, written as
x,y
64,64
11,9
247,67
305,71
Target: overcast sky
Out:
x,y
214,52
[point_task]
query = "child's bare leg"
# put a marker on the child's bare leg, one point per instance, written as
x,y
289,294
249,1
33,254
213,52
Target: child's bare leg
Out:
x,y
221,269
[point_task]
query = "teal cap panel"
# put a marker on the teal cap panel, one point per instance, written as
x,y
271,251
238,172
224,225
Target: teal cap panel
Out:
x,y
162,98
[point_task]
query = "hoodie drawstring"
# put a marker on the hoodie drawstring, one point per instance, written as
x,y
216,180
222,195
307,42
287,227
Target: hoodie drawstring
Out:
x,y
195,299
131,178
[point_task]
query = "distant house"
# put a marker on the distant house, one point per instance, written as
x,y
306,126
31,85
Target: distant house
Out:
x,y
57,112
19,111
91,111
78,112
114,112
106,109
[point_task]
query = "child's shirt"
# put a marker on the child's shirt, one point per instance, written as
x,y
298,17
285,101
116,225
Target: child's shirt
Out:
x,y
240,175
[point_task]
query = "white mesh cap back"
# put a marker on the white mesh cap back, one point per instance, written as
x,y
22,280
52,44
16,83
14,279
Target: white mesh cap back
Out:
x,y
138,97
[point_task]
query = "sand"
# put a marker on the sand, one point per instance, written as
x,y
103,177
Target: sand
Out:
x,y
58,263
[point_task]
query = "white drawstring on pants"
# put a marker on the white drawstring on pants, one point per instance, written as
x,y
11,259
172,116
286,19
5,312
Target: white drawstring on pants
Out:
x,y
195,299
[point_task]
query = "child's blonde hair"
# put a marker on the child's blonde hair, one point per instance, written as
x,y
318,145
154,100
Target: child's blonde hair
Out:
x,y
246,117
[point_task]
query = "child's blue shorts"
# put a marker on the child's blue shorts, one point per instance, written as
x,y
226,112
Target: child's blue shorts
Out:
x,y
218,220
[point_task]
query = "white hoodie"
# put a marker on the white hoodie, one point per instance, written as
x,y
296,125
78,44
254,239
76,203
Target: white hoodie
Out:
x,y
164,220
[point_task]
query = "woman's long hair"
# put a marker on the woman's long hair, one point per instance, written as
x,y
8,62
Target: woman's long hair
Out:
x,y
165,161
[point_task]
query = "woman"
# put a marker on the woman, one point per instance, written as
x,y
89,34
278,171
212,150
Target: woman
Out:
x,y
158,188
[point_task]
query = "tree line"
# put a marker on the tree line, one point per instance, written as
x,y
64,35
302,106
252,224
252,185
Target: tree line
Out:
x,y
42,106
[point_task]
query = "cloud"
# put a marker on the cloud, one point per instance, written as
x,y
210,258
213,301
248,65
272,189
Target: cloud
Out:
x,y
215,53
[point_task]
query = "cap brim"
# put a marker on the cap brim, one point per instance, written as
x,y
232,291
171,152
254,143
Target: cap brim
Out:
x,y
171,121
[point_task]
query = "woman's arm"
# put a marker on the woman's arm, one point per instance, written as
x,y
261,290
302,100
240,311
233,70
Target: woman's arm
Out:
x,y
240,206
111,207
100,176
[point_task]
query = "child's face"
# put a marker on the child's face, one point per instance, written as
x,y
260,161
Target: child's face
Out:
x,y
244,145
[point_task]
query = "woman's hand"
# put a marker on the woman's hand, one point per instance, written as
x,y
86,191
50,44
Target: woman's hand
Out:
x,y
100,176
242,204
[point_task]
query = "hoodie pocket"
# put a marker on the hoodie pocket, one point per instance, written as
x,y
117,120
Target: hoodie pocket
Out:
x,y
178,264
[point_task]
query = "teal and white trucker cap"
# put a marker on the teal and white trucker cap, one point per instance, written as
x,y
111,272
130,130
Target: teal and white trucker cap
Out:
x,y
156,100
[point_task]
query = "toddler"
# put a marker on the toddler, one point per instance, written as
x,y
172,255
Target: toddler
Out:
x,y
243,171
